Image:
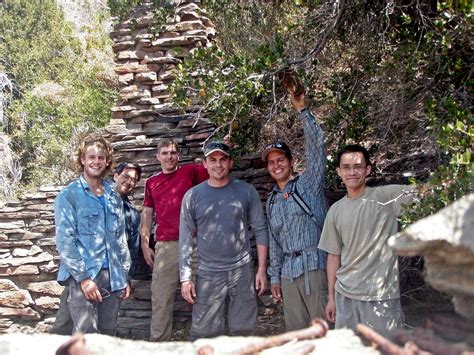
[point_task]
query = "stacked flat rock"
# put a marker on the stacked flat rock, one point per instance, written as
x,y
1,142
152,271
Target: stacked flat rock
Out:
x,y
28,263
145,65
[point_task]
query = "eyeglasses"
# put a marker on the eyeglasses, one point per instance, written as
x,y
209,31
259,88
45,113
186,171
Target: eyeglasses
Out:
x,y
129,178
276,146
357,168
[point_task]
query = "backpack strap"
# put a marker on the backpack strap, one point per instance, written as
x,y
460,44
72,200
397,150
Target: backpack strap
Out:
x,y
301,202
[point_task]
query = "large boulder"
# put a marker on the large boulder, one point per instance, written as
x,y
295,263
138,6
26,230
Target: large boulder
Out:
x,y
446,241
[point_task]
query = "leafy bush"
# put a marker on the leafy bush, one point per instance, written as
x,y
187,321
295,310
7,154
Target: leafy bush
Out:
x,y
60,88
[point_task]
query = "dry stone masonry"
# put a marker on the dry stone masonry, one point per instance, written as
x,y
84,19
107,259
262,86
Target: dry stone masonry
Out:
x,y
145,65
28,263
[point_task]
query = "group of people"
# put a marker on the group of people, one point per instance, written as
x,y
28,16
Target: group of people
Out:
x,y
334,264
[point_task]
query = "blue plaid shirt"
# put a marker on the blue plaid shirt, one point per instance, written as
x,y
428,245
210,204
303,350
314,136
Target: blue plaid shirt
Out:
x,y
291,229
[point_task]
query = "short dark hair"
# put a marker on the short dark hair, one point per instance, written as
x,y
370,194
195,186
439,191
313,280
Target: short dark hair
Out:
x,y
166,142
353,148
126,165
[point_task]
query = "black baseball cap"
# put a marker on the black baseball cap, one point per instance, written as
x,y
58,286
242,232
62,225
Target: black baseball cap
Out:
x,y
216,147
279,147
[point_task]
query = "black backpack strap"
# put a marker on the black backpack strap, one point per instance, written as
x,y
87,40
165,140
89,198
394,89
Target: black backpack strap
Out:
x,y
271,202
301,202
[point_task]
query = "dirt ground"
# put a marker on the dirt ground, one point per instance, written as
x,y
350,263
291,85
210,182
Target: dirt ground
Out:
x,y
416,311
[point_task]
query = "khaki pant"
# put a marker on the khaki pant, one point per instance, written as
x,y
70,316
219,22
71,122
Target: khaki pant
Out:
x,y
163,289
382,316
300,309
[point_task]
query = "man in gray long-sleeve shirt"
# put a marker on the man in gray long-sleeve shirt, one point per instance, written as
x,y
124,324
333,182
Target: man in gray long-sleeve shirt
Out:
x,y
297,267
218,213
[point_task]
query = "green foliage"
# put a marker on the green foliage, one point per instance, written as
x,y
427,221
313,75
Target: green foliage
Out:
x,y
393,77
234,79
33,50
162,11
60,88
453,126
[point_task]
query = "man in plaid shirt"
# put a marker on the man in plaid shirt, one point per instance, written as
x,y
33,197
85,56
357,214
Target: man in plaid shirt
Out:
x,y
296,209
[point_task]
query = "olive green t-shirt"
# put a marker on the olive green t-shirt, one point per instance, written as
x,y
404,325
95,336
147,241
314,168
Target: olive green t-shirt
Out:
x,y
358,229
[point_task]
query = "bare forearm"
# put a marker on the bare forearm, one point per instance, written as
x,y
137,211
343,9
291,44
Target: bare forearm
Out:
x,y
334,263
145,225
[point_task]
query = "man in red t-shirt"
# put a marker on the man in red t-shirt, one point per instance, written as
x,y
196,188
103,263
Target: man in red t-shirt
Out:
x,y
163,194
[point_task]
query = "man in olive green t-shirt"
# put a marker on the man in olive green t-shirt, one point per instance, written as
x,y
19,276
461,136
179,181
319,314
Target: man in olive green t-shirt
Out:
x,y
362,269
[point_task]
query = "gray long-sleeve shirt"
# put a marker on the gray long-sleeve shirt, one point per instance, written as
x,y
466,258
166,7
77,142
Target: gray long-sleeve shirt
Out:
x,y
219,218
291,229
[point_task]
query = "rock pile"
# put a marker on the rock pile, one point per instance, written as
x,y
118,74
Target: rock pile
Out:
x,y
28,263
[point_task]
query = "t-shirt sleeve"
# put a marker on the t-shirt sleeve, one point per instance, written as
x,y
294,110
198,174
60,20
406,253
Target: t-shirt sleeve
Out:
x,y
148,201
331,240
398,195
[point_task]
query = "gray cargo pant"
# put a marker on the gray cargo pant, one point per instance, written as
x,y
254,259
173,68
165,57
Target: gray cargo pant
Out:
x,y
212,289
94,317
382,316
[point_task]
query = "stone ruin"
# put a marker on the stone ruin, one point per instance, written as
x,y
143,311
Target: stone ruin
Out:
x,y
29,296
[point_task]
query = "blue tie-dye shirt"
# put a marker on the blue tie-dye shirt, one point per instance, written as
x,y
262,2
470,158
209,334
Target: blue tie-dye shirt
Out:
x,y
86,234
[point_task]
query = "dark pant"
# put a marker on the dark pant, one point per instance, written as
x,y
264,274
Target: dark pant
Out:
x,y
63,322
94,317
212,289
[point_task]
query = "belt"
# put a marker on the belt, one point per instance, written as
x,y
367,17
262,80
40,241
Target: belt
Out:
x,y
304,253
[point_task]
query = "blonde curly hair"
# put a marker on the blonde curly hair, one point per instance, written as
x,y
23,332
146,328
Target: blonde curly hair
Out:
x,y
94,139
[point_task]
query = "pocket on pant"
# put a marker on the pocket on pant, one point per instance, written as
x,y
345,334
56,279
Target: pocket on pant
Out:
x,y
76,297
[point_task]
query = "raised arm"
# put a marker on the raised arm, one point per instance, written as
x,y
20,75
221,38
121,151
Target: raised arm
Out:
x,y
315,150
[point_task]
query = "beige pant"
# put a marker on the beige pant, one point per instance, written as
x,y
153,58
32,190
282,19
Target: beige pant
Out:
x,y
163,289
300,309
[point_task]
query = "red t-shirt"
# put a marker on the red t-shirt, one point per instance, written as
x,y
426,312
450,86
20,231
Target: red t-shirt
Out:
x,y
164,193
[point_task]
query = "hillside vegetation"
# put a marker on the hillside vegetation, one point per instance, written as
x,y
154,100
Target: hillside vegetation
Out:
x,y
61,87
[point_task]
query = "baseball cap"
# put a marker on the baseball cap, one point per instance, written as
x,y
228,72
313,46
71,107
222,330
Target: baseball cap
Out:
x,y
216,147
279,147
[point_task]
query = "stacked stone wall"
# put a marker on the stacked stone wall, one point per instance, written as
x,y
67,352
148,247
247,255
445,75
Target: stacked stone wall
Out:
x,y
145,65
28,263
